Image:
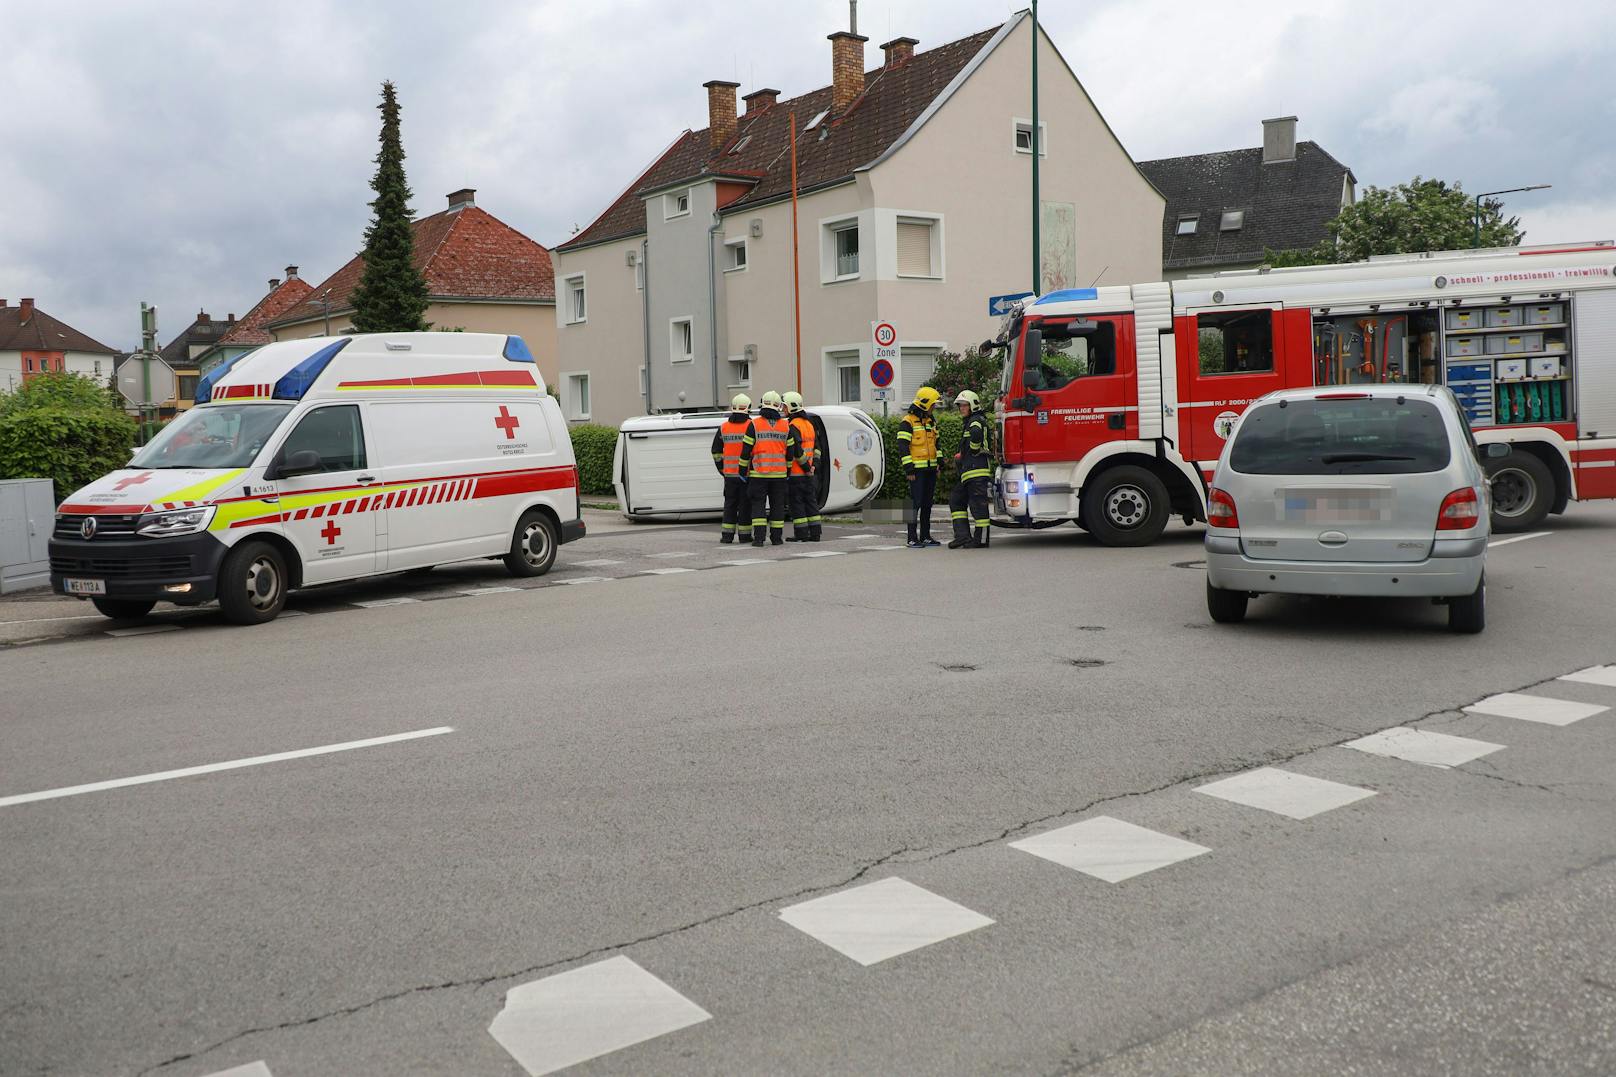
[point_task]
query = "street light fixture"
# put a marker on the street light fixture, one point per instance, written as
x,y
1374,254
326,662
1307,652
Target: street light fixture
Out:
x,y
1476,243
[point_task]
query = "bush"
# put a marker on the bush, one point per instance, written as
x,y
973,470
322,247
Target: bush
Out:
x,y
59,389
594,446
71,447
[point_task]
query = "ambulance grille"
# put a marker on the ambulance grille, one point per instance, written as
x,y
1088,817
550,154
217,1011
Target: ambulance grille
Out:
x,y
121,567
68,526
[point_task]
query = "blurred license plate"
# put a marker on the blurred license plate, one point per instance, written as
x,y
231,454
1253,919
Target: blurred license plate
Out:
x,y
1336,506
85,587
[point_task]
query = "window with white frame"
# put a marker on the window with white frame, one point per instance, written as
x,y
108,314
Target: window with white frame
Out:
x,y
575,395
915,368
740,372
1023,137
576,309
847,369
676,204
840,250
98,368
734,254
919,247
681,344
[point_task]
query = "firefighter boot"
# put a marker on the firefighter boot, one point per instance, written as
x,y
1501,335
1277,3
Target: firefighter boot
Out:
x,y
760,535
777,535
979,540
813,531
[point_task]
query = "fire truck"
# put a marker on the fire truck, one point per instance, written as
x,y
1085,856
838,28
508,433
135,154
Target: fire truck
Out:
x,y
1117,402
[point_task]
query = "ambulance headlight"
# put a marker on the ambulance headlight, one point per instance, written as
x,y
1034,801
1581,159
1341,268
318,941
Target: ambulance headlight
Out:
x,y
175,522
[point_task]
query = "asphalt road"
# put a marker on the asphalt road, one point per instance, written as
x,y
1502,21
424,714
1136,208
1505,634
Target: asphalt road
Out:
x,y
648,837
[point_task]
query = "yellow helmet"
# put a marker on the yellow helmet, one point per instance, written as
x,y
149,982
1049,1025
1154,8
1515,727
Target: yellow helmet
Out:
x,y
741,402
771,399
927,398
970,399
793,401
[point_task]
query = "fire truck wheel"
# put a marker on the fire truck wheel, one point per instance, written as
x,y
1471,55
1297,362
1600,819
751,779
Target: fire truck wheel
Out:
x,y
1523,491
1125,506
1226,607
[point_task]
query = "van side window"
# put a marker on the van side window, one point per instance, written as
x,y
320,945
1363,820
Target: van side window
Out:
x,y
1069,356
335,433
1236,342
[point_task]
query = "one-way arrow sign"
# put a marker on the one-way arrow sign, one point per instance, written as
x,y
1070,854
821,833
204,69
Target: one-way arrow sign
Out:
x,y
999,305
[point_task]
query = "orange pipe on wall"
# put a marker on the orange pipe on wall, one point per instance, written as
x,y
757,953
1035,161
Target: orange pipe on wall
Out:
x,y
796,259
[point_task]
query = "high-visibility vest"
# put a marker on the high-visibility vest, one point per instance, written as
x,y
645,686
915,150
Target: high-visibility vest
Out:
x,y
768,447
920,434
805,438
733,433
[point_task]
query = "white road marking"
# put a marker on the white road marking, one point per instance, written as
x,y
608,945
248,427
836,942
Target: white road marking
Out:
x,y
748,561
855,536
583,1013
586,579
251,1069
900,546
1517,538
1424,747
878,920
1535,708
599,562
1605,675
475,591
665,571
378,603
213,768
822,553
672,553
1109,848
142,630
47,620
1283,792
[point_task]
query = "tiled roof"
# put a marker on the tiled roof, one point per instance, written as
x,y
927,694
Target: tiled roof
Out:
x,y
250,329
43,333
892,100
464,253
204,331
1287,204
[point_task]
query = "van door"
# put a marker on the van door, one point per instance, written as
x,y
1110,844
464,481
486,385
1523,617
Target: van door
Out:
x,y
327,513
1226,360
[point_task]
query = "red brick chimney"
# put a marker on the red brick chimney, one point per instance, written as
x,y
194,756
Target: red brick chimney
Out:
x,y
274,282
900,50
291,272
846,70
2,304
202,318
466,196
758,100
720,112
25,309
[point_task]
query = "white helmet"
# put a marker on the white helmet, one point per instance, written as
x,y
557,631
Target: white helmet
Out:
x,y
741,402
970,399
793,402
771,399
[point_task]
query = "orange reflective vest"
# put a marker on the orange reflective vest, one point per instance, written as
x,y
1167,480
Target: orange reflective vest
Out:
x,y
732,433
804,464
768,437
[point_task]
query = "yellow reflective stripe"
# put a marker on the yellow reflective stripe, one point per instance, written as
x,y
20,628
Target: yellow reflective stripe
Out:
x,y
200,490
980,473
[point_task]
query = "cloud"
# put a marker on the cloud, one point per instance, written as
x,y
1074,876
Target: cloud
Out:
x,y
1439,111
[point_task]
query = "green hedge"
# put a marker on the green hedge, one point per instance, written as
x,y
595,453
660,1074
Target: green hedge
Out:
x,y
949,426
594,446
70,447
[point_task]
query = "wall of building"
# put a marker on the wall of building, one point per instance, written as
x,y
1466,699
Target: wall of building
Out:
x,y
609,345
15,366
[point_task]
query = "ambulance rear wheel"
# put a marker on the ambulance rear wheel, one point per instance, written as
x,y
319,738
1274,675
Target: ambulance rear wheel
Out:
x,y
1523,491
1125,506
122,609
252,584
533,547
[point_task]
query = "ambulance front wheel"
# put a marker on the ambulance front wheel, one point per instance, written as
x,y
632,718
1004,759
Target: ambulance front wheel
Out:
x,y
122,609
1125,506
533,546
252,583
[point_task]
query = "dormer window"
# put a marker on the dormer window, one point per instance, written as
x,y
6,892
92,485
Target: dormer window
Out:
x,y
1188,223
816,121
1233,220
675,204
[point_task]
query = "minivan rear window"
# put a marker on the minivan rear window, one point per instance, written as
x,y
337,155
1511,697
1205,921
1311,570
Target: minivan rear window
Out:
x,y
1368,435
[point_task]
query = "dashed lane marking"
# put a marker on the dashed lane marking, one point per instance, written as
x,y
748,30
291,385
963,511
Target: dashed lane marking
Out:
x,y
822,553
213,768
251,1069
664,571
142,630
748,561
1424,747
583,1013
881,920
378,603
872,549
584,579
672,553
1535,708
1283,792
1109,849
475,591
599,562
1605,675
1517,538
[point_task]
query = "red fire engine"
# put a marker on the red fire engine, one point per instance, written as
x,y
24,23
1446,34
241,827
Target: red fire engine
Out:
x,y
1116,402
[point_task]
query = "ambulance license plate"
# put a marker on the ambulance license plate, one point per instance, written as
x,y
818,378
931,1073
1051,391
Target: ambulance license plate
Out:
x,y
85,587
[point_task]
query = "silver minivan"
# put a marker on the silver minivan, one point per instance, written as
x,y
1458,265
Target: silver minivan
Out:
x,y
1374,490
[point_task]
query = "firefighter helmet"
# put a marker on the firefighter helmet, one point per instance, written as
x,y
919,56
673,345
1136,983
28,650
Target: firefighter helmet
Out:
x,y
771,399
793,402
969,399
927,398
741,402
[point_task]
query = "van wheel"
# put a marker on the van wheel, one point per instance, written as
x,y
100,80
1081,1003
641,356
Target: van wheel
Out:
x,y
252,584
1125,506
122,609
1523,491
1226,607
533,547
1469,613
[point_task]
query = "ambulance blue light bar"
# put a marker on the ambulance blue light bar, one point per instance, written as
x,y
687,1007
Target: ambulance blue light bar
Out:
x,y
1067,295
516,351
297,381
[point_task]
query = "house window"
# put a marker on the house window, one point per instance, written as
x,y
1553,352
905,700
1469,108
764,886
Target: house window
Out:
x,y
741,145
1188,223
740,372
577,306
815,122
675,204
98,368
187,389
845,249
1233,220
915,368
1023,137
575,395
681,346
734,254
848,376
918,247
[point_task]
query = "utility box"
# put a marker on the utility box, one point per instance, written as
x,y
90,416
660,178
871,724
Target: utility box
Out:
x,y
27,513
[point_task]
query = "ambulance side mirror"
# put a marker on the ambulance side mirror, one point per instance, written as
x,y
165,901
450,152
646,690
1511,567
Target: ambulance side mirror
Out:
x,y
301,462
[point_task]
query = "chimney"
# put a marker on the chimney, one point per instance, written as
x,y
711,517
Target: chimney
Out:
x,y
25,308
202,318
291,272
900,50
466,196
274,282
2,304
720,112
846,70
1279,140
758,100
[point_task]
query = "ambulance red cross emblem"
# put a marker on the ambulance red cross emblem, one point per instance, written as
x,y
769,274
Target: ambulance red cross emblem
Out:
x,y
330,532
134,480
507,422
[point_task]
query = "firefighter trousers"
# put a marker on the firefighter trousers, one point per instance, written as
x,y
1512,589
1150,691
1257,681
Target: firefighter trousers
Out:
x,y
805,518
922,492
968,505
737,507
768,524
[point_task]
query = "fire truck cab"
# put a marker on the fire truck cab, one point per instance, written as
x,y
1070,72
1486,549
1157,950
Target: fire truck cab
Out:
x,y
1116,403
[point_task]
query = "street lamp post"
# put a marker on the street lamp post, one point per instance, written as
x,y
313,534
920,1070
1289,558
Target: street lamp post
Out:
x,y
1476,242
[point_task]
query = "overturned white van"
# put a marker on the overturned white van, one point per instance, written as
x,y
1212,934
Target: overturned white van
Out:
x,y
664,464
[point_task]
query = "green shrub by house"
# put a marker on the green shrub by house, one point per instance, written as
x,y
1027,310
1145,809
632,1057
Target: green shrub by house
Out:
x,y
594,446
71,447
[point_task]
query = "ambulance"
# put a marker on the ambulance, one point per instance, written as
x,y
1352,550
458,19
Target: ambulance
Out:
x,y
315,461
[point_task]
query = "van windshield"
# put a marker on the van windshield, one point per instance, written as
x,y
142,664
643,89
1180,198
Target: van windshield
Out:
x,y
1363,435
214,435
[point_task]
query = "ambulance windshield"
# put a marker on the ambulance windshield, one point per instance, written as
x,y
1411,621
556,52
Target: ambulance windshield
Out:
x,y
215,435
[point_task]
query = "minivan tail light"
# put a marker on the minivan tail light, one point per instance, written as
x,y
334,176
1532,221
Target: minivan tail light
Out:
x,y
1461,510
1220,510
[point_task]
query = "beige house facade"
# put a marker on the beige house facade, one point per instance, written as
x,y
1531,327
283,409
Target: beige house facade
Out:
x,y
914,208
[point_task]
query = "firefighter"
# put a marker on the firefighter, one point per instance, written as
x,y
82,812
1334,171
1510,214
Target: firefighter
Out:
x,y
727,458
803,483
767,447
968,504
917,442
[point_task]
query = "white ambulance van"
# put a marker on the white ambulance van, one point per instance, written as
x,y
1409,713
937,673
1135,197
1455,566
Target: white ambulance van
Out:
x,y
313,461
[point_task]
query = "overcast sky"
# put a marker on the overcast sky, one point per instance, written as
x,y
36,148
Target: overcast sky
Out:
x,y
184,152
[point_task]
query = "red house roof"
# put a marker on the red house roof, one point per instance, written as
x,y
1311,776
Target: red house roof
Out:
x,y
282,298
27,328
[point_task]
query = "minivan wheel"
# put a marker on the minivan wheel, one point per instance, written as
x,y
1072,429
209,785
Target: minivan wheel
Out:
x,y
122,609
1226,607
1468,613
1125,506
533,546
1523,491
252,584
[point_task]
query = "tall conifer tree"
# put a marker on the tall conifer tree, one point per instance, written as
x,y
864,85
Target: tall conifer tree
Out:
x,y
392,294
